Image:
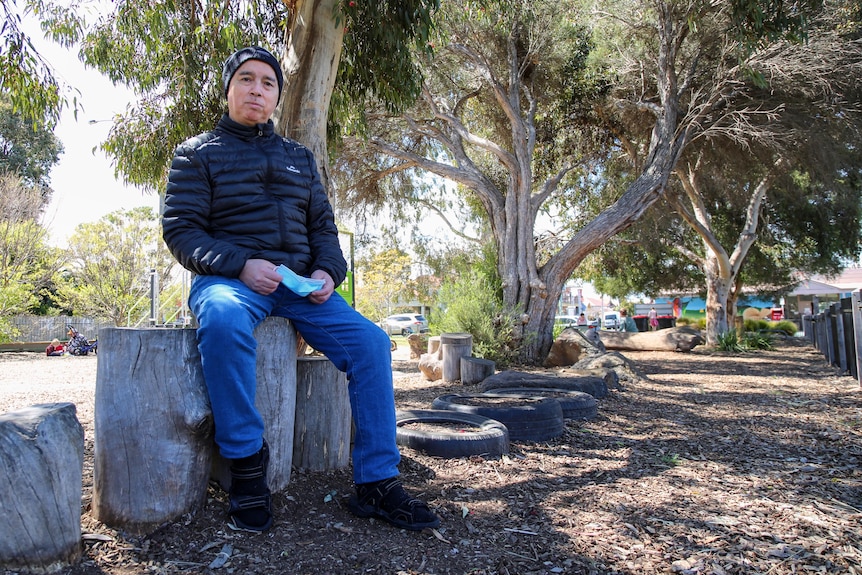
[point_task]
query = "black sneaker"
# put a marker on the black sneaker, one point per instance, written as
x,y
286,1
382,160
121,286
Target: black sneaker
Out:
x,y
387,500
250,500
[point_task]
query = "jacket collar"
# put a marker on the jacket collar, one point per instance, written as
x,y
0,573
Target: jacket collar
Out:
x,y
246,132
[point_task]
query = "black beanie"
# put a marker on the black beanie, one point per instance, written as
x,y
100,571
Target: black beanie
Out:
x,y
235,60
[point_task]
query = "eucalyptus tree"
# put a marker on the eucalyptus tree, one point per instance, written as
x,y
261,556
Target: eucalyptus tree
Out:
x,y
171,55
28,150
511,110
780,167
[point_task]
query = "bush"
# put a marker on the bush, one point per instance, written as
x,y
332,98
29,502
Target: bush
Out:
x,y
681,321
785,325
470,304
756,341
729,341
756,324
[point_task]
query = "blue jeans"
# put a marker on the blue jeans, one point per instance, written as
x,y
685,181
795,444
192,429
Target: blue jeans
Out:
x,y
227,312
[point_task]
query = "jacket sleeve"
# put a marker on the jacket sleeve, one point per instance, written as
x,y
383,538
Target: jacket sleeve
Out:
x,y
186,217
322,232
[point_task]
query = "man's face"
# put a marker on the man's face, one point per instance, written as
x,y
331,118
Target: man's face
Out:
x,y
252,93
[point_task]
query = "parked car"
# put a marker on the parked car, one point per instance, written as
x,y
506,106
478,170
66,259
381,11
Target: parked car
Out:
x,y
611,320
566,320
405,324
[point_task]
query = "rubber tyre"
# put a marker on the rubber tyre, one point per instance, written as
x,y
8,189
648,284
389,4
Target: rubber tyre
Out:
x,y
595,386
575,404
526,418
492,437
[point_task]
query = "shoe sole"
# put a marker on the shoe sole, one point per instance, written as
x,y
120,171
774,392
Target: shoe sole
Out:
x,y
366,512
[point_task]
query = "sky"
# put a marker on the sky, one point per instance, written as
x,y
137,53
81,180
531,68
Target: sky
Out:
x,y
84,186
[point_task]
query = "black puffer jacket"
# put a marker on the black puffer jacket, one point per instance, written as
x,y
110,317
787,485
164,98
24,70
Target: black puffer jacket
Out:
x,y
242,192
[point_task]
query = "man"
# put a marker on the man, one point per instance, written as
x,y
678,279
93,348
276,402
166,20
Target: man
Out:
x,y
240,202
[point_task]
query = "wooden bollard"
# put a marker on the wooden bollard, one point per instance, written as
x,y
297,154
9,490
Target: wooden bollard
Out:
x,y
43,450
322,424
475,370
454,346
154,449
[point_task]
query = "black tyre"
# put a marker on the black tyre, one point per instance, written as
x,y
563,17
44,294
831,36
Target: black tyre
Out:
x,y
526,418
575,404
594,385
451,434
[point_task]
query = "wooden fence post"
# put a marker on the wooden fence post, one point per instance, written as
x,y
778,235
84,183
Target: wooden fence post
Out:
x,y
856,310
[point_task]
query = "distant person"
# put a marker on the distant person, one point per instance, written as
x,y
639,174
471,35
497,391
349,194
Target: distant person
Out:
x,y
653,319
582,319
55,348
627,323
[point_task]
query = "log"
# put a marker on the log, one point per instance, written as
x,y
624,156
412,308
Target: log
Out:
x,y
454,346
673,339
154,449
474,369
323,422
42,449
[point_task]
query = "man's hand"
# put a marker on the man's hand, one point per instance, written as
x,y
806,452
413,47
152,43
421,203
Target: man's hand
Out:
x,y
260,276
325,292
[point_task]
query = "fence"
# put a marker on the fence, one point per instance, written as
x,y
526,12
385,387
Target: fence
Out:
x,y
837,334
31,328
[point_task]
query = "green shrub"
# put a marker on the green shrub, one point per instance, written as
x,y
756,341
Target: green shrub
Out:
x,y
700,323
729,341
785,325
470,304
756,324
682,321
753,341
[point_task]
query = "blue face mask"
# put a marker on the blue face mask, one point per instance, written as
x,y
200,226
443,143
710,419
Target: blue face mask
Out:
x,y
296,283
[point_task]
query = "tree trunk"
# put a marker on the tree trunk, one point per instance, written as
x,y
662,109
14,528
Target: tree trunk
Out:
x,y
314,49
322,424
717,292
42,449
154,452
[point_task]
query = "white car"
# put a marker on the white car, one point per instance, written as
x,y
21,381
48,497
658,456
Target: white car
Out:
x,y
405,324
611,320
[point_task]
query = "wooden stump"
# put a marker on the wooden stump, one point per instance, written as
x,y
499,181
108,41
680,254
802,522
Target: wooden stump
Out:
x,y
434,344
454,346
322,423
475,370
154,451
42,448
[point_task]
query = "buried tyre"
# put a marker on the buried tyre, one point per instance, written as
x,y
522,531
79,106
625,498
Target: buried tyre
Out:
x,y
450,434
526,418
575,404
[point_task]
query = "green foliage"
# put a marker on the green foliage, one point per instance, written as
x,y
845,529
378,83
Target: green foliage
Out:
x,y
110,263
383,279
755,324
729,341
26,150
27,263
470,302
785,325
377,60
26,79
754,341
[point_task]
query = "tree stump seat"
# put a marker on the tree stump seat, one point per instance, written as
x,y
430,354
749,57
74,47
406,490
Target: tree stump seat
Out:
x,y
42,447
154,448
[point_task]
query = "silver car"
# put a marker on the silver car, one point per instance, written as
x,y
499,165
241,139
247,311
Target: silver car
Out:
x,y
405,324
